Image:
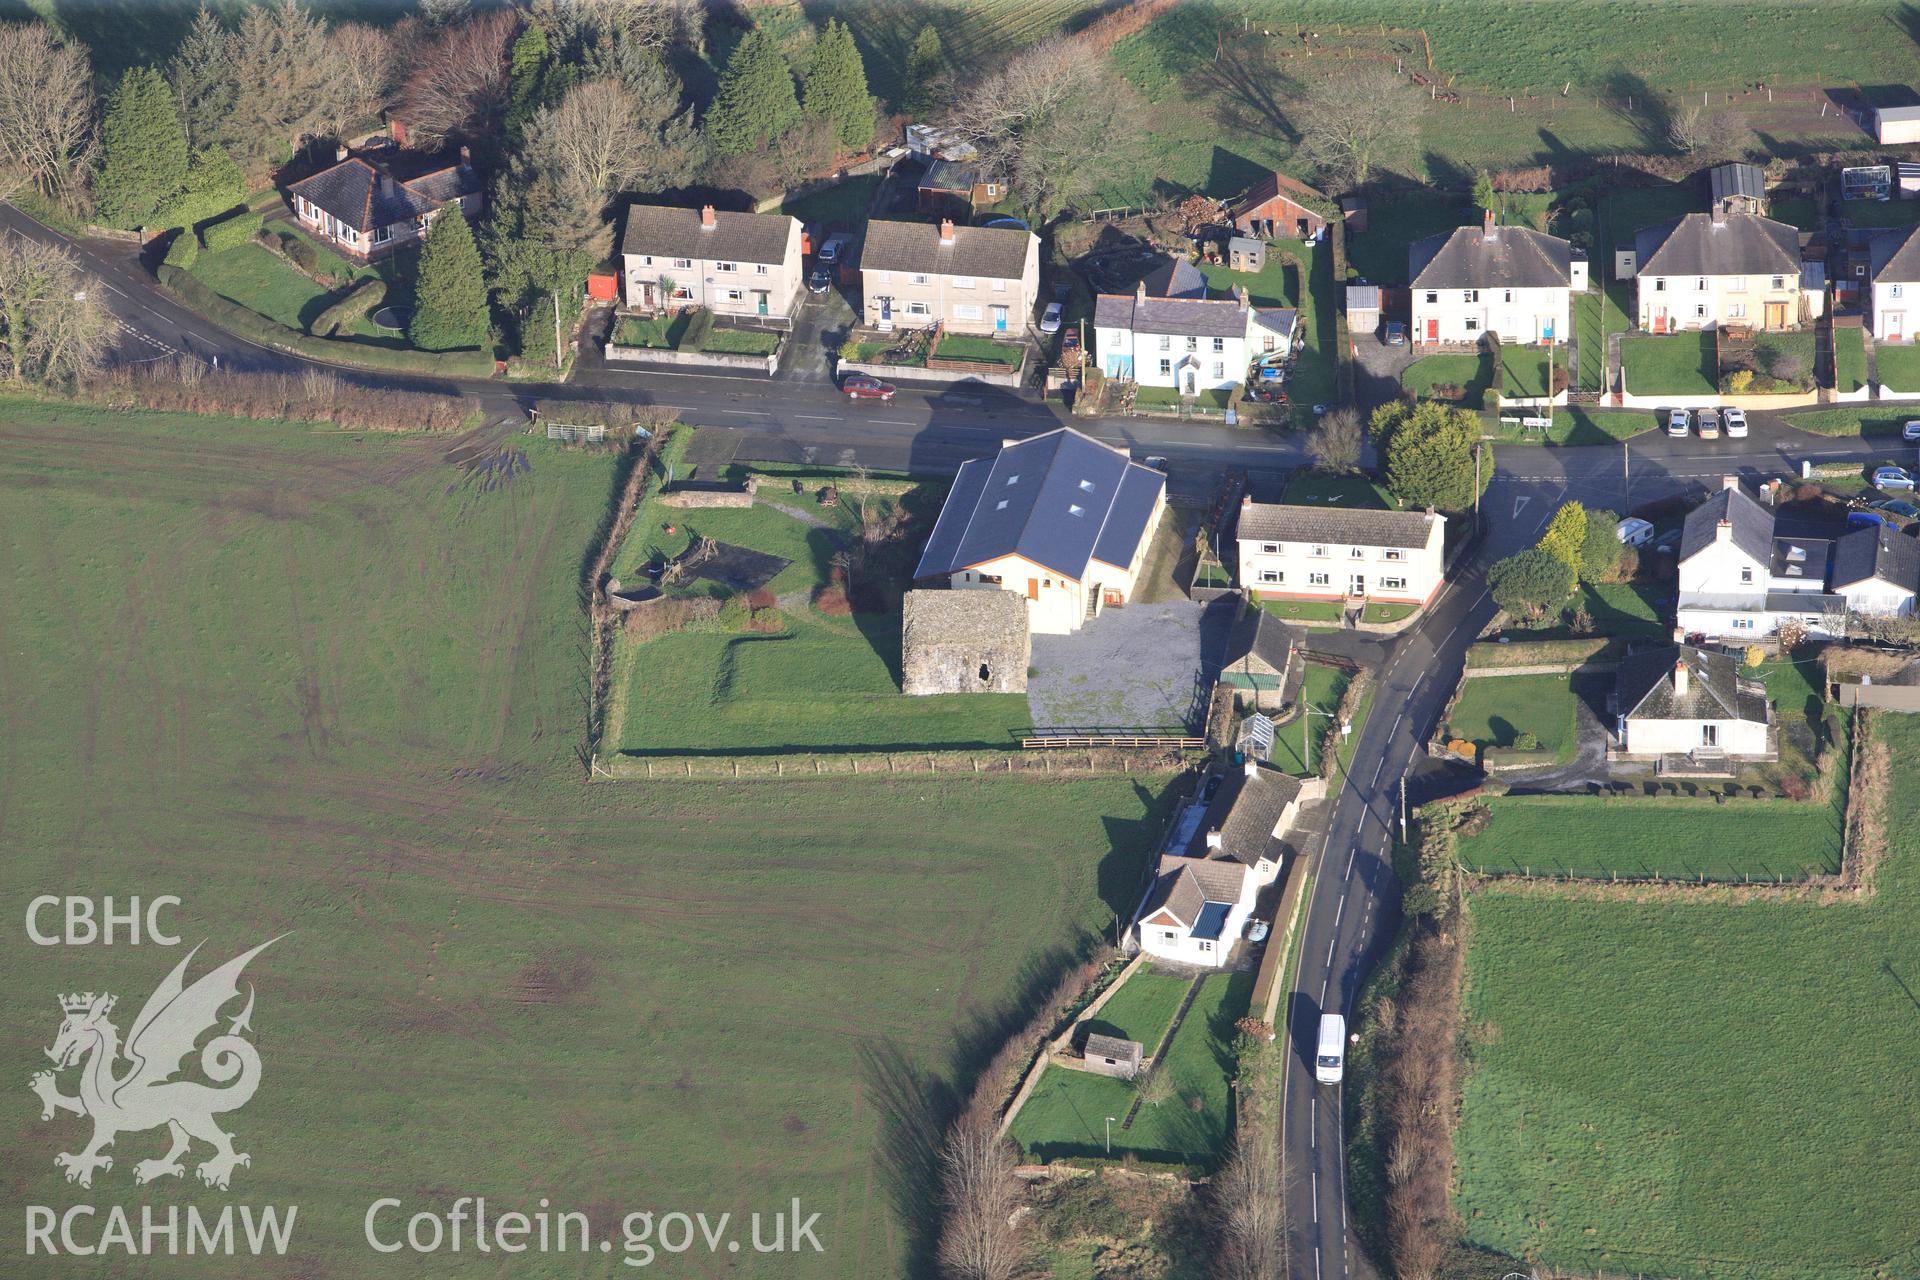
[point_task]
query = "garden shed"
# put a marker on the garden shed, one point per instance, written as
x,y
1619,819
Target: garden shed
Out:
x,y
1112,1056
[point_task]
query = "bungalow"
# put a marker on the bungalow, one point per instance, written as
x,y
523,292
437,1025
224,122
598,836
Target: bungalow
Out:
x,y
1340,553
1204,892
743,265
1512,281
958,189
364,207
1679,700
1710,269
1876,570
971,279
1280,208
1894,275
1059,518
1739,581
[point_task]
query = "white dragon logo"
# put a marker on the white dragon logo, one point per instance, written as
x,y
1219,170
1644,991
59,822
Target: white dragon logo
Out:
x,y
147,1096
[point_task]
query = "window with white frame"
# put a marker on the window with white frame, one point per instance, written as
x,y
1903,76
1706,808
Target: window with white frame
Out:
x,y
1319,579
1391,553
1736,310
683,264
919,309
1746,574
1205,945
1470,295
1433,295
1659,284
1778,282
1219,345
921,279
1319,550
1506,295
1472,323
1193,343
1166,368
647,261
1736,284
1219,369
1743,624
1894,291
725,266
999,286
1272,575
1356,553
760,268
734,295
1270,548
382,234
966,311
1700,284
1166,342
963,282
1393,584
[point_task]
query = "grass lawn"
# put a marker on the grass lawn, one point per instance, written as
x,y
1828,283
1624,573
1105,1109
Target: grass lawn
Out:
x,y
1495,710
1169,398
1682,838
330,683
257,279
1472,370
1379,254
1589,327
1796,211
1067,1113
746,342
1308,486
961,346
1899,366
1617,609
1142,1009
1881,213
663,331
1524,370
1305,612
1731,1016
1679,364
1855,420
840,206
1321,687
1849,358
1573,425
1278,284
1388,612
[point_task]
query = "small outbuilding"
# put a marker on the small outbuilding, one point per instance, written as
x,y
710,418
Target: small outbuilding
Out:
x,y
1245,253
1279,207
1259,650
1363,308
1895,125
1738,188
963,642
1112,1056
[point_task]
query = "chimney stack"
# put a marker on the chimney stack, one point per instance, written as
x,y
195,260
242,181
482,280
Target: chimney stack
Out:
x,y
946,231
1680,677
1719,215
1213,838
1140,292
706,217
1729,482
1723,531
340,154
1253,768
1486,224
466,156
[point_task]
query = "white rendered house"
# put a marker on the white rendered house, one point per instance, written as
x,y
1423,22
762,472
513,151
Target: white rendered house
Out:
x,y
1293,552
1512,281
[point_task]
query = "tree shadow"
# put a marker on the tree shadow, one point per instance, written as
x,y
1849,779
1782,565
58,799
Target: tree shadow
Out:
x,y
1249,90
915,1107
1632,100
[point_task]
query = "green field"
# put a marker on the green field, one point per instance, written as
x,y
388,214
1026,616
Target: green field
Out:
x,y
328,684
1699,1089
1679,364
1142,1009
1642,836
1495,710
1067,1113
1472,370
1849,358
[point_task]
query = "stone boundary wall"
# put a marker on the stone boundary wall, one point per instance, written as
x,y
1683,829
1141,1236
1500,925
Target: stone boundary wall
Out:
x,y
915,373
698,359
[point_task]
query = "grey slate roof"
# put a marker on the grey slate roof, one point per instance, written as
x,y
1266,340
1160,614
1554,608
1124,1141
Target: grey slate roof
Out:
x,y
365,197
1803,558
1511,258
665,231
1715,690
1185,885
1876,552
991,253
1280,320
1737,179
1898,113
1099,1046
1060,500
1896,255
1752,525
1245,811
1175,278
1353,526
1259,637
1744,244
1363,297
1181,317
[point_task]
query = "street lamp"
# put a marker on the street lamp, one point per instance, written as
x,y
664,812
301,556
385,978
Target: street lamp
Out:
x,y
1307,712
1110,1120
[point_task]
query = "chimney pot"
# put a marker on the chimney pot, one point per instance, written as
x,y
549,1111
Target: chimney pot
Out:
x,y
1486,224
1213,838
706,217
466,156
1719,215
340,154
1140,292
946,231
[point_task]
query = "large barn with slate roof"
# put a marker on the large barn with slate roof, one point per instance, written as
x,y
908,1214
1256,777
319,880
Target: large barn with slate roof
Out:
x,y
1060,519
371,204
1513,281
1293,552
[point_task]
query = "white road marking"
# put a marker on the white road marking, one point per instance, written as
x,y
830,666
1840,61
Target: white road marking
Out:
x,y
1323,989
815,417
746,413
1313,1125
1316,1203
1329,952
1351,855
1339,911
1520,503
901,422
1316,1262
1377,768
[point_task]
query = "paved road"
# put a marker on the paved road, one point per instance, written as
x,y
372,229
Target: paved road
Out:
x,y
1354,908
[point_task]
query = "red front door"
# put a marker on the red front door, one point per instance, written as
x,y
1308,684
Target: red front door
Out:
x,y
1433,330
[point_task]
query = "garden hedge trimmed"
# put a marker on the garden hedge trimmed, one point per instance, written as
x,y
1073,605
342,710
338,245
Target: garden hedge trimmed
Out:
x,y
230,233
184,251
354,304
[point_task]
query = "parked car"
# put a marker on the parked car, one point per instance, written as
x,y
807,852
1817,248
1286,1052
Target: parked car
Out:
x,y
1735,421
1071,340
1396,334
1634,532
1050,318
1257,930
1867,519
1911,431
1707,422
860,386
1678,422
832,248
1897,507
1155,461
1330,1057
1892,478
819,281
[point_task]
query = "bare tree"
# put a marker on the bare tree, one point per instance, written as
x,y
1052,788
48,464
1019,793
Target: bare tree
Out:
x,y
1709,135
1250,1208
978,1189
1056,120
459,80
55,326
1334,442
360,75
602,138
46,106
1354,122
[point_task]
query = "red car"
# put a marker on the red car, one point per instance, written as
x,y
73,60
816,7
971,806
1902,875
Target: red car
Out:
x,y
860,386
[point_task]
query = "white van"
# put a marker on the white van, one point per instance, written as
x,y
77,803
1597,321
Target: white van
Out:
x,y
1331,1060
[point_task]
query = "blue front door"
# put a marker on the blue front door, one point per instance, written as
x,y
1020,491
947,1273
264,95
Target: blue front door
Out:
x,y
1000,319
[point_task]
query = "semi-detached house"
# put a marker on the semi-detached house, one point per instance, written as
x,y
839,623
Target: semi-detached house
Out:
x,y
1512,281
979,280
1060,519
1894,257
1710,269
1189,344
742,265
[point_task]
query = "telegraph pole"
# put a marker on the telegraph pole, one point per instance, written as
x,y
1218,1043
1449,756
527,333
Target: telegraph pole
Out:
x,y
1403,808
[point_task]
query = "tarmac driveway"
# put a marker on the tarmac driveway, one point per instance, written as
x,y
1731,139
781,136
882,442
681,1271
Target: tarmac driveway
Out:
x,y
1133,667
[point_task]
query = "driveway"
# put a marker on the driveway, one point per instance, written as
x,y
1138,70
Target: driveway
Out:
x,y
1134,667
819,327
1378,368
